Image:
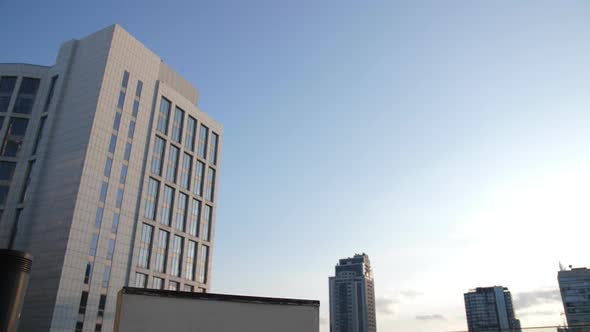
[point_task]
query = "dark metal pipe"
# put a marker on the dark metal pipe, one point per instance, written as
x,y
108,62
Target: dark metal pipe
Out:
x,y
15,267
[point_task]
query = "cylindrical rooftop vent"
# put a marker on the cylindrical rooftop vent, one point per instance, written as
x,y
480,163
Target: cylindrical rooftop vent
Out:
x,y
15,267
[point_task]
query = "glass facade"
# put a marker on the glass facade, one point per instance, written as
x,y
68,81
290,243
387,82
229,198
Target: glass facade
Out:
x,y
151,199
166,206
185,170
203,136
177,125
203,263
26,95
199,177
191,253
7,84
193,227
161,251
213,148
189,139
163,116
176,257
181,211
145,246
172,163
210,185
17,128
158,155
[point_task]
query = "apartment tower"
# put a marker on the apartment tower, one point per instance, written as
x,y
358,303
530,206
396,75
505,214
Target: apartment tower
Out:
x,y
574,284
490,309
352,296
108,176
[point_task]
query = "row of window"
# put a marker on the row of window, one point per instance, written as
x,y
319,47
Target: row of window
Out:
x,y
171,257
195,220
120,191
176,134
184,175
25,97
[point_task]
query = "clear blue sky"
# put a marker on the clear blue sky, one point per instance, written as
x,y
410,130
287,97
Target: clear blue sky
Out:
x,y
447,139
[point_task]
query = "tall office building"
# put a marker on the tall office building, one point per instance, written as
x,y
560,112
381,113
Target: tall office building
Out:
x,y
352,296
490,309
108,176
574,285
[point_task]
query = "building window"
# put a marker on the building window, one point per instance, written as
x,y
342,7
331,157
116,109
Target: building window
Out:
x,y
106,276
172,164
161,251
140,280
207,215
203,136
111,249
138,89
98,219
185,171
6,170
177,125
119,201
125,79
173,285
181,211
127,152
131,130
135,107
101,305
26,95
190,260
166,206
103,192
117,122
163,116
188,288
39,134
113,143
204,262
88,273
213,148
157,283
7,84
121,101
3,193
151,199
158,155
79,327
83,302
176,257
115,224
145,246
50,94
17,128
123,175
189,139
98,327
93,244
210,185
193,227
107,167
199,176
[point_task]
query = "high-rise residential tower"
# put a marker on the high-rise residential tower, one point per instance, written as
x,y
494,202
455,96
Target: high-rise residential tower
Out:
x,y
108,176
574,285
490,309
352,296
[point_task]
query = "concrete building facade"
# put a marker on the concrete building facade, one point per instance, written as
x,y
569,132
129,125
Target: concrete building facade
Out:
x,y
352,296
574,285
490,309
108,176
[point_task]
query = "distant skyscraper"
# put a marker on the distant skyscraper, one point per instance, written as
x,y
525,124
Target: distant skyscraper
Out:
x,y
108,176
490,309
574,285
352,296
